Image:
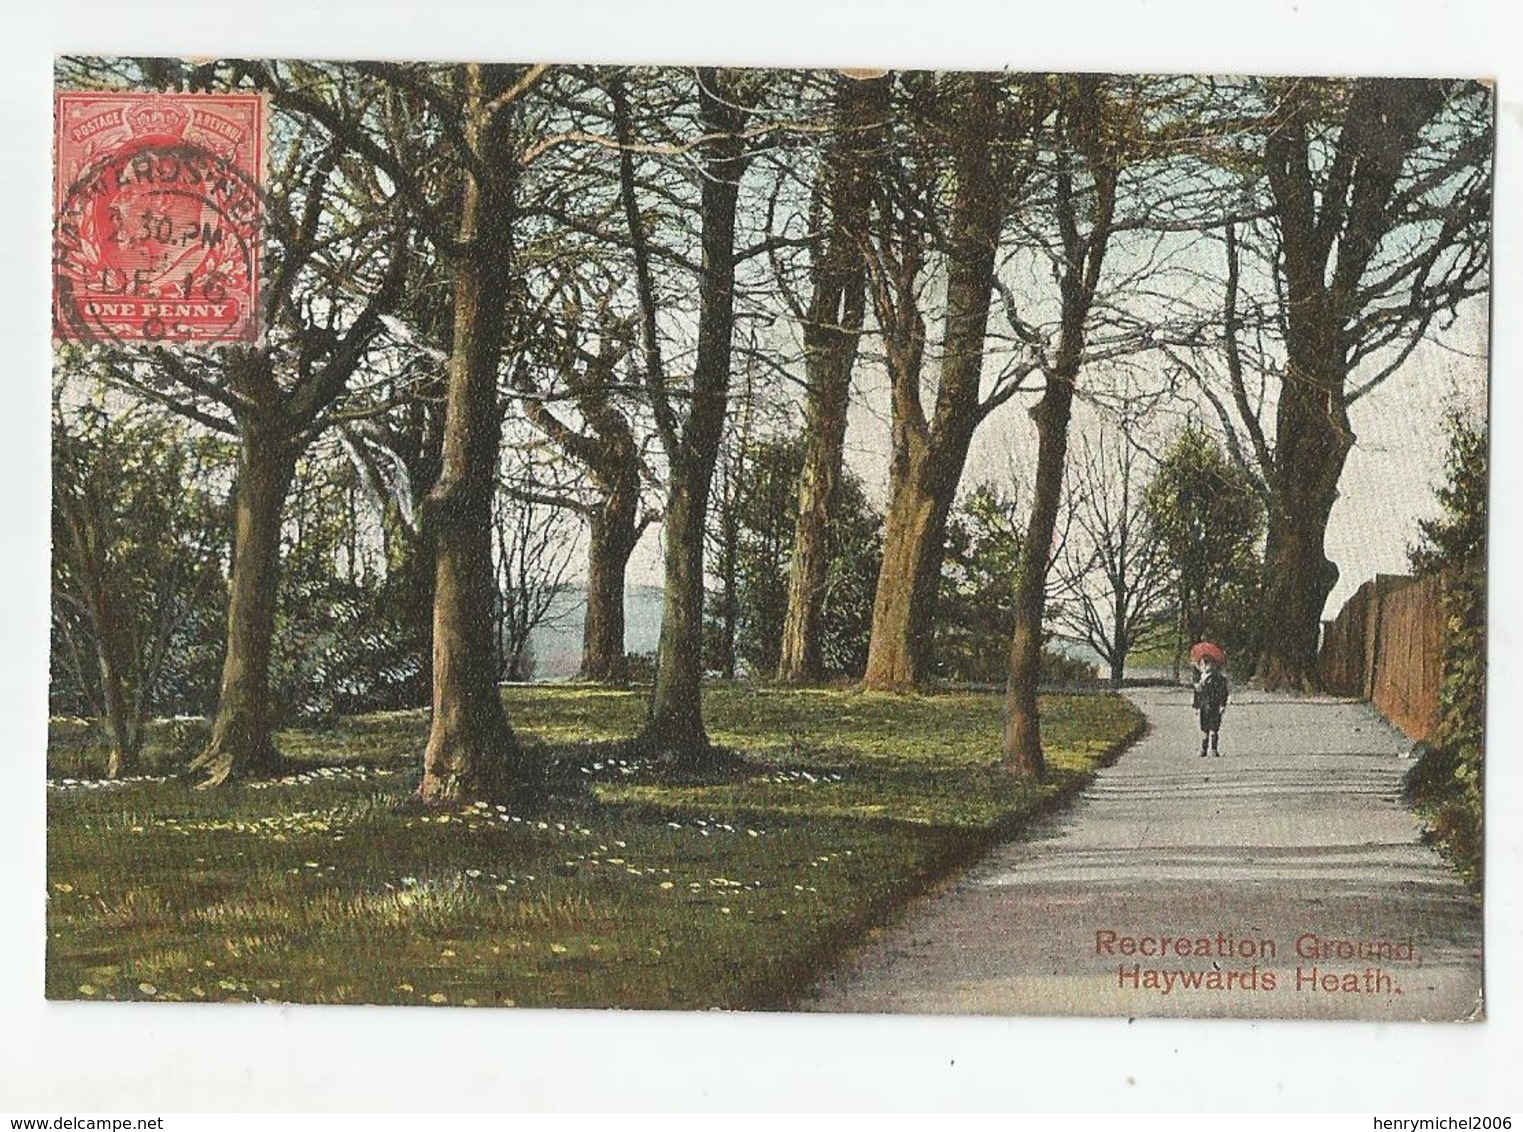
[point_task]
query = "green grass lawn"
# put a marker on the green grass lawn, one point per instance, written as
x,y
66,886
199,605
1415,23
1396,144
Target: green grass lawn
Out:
x,y
328,887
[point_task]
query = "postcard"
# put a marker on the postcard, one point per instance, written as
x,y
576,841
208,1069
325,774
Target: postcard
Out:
x,y
699,537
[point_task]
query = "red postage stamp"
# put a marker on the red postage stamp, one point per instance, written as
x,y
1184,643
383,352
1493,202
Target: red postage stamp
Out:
x,y
158,215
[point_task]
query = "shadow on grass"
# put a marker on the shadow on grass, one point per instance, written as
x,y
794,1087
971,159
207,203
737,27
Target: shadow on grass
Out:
x,y
735,886
961,849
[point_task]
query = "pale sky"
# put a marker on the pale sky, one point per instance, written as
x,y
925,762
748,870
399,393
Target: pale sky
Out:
x,y
1387,487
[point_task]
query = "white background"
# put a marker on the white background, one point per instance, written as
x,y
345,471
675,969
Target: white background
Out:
x,y
84,1057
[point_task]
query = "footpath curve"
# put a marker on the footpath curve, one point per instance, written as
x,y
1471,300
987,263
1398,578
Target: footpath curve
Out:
x,y
1284,879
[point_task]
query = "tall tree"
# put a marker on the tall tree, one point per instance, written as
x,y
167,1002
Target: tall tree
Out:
x,y
472,752
832,327
1382,204
1368,227
674,729
602,442
1087,168
979,133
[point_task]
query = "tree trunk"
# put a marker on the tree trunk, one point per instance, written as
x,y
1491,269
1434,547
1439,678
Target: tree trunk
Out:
x,y
614,530
928,461
831,333
472,753
1312,442
1329,237
82,531
674,731
1121,637
126,741
899,653
125,745
612,535
1084,255
241,744
1023,734
1298,576
724,657
801,660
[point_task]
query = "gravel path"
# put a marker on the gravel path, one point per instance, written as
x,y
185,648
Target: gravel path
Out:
x,y
1282,880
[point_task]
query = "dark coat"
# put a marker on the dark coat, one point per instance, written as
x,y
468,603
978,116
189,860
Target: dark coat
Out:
x,y
1211,698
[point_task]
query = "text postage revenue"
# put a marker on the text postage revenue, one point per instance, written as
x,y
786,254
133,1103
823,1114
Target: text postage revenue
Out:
x,y
157,210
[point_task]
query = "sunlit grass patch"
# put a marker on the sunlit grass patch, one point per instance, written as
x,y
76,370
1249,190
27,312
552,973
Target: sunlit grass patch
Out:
x,y
328,887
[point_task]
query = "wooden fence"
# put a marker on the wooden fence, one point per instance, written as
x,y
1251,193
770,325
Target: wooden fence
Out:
x,y
1386,645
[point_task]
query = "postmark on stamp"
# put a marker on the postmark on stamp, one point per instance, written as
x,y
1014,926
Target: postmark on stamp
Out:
x,y
157,217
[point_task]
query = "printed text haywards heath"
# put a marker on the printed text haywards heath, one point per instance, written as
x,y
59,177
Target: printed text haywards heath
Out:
x,y
1324,964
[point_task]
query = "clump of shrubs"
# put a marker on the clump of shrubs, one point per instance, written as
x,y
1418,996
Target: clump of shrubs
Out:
x,y
1436,785
1063,670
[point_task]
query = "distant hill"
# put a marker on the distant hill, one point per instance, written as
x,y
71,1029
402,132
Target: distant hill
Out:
x,y
557,644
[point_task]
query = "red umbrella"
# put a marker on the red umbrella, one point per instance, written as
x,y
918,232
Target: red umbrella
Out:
x,y
1208,650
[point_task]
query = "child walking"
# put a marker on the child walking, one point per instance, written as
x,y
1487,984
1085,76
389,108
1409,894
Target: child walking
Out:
x,y
1211,698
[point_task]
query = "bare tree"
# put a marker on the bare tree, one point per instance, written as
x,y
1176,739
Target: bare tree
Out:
x,y
533,549
1112,568
1382,226
459,171
1087,167
600,440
